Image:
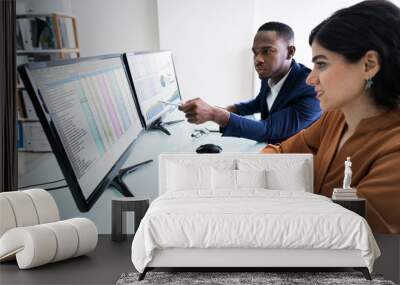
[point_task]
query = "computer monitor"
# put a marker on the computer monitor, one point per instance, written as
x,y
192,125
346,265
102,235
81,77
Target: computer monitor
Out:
x,y
154,82
89,114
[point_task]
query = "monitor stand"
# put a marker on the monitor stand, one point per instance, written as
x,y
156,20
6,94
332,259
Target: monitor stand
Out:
x,y
119,184
160,125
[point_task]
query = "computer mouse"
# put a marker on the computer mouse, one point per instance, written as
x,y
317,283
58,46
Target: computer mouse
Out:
x,y
209,148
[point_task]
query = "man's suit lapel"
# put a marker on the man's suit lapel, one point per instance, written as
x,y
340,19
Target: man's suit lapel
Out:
x,y
289,82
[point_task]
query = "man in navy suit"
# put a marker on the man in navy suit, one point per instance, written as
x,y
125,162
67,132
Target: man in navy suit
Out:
x,y
286,103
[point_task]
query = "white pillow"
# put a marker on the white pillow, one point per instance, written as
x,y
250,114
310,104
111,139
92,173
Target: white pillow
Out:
x,y
292,179
251,178
183,177
281,174
226,179
223,179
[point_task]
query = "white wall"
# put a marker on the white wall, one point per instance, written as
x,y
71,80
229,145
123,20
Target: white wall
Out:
x,y
43,6
116,26
211,43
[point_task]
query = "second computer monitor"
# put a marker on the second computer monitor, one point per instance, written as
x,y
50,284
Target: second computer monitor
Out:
x,y
154,81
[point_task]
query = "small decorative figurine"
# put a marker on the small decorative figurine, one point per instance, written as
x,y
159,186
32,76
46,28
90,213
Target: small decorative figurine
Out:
x,y
347,174
347,192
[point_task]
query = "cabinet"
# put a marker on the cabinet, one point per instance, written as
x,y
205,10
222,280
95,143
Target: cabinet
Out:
x,y
40,37
357,205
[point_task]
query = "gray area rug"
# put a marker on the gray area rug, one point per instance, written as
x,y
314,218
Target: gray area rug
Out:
x,y
229,278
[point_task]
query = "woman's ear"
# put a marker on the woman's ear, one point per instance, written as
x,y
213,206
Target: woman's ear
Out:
x,y
371,63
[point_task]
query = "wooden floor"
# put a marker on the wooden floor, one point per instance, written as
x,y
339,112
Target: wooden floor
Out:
x,y
110,259
103,266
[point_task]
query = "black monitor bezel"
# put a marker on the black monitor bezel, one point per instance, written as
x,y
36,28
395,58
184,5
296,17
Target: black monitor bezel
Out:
x,y
46,121
147,125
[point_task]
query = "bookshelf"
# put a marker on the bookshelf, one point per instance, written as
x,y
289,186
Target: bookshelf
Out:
x,y
40,37
53,33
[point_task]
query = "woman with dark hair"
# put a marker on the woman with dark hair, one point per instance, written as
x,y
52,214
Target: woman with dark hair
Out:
x,y
356,74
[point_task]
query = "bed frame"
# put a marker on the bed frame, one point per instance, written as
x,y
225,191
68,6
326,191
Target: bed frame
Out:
x,y
242,259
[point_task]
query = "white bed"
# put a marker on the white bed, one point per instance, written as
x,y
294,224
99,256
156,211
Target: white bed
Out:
x,y
247,210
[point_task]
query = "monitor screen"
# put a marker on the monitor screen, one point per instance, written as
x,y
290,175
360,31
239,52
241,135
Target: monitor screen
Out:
x,y
89,114
154,80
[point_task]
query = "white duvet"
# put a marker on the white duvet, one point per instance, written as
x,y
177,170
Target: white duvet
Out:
x,y
250,219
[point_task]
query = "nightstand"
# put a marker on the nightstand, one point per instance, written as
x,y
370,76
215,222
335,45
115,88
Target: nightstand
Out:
x,y
357,205
119,207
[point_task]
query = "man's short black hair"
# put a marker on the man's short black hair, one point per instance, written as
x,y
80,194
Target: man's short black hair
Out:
x,y
281,29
